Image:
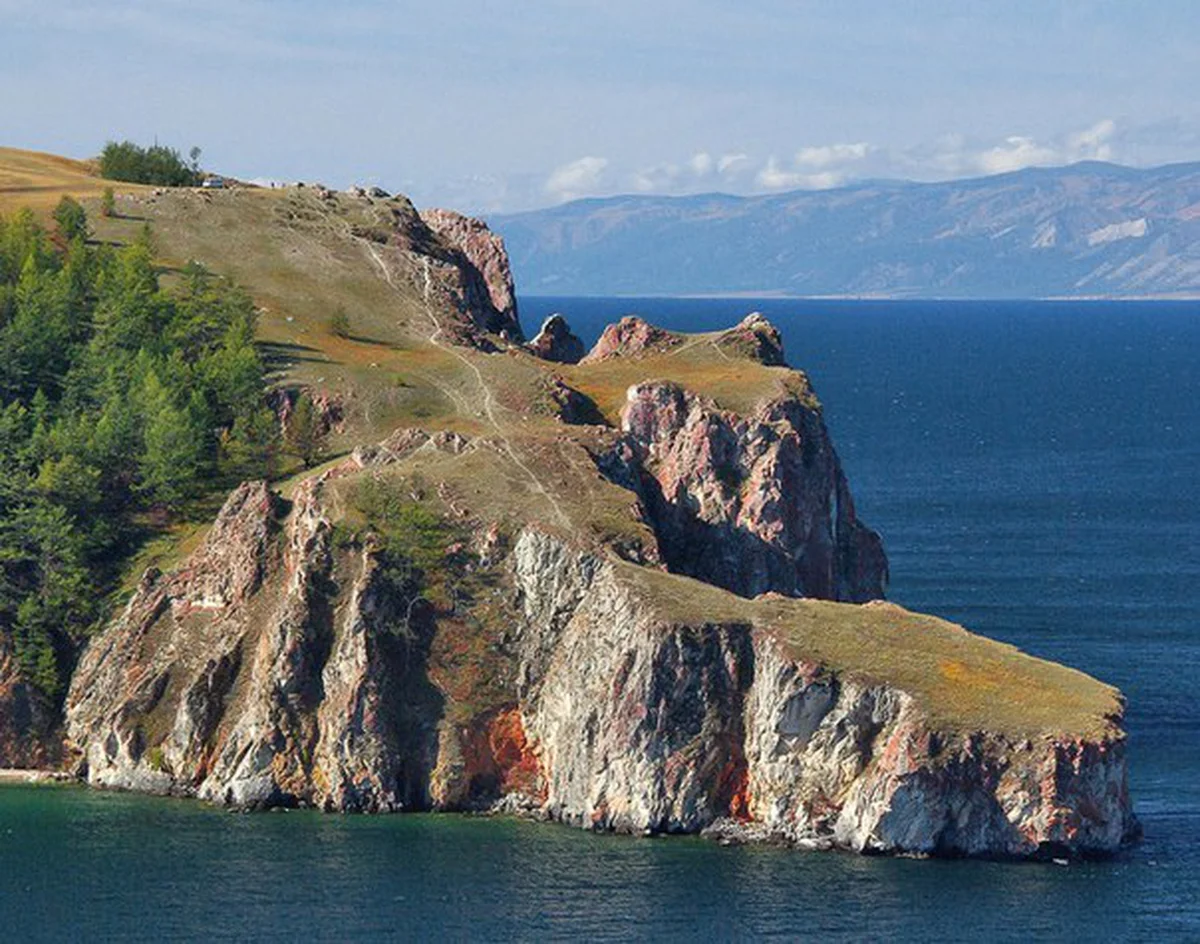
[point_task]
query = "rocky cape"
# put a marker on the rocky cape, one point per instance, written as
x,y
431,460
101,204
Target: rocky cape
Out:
x,y
626,590
272,670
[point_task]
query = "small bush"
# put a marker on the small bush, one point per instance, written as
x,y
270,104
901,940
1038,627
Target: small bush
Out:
x,y
339,324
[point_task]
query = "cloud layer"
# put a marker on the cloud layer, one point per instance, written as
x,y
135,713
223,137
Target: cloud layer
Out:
x,y
493,107
823,166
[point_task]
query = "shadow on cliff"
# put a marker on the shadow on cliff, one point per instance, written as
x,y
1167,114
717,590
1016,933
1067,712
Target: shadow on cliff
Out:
x,y
741,562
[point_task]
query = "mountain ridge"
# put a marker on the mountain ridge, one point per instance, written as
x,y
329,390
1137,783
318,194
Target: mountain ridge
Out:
x,y
1091,229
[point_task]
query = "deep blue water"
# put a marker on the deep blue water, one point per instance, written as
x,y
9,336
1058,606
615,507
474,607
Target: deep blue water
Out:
x,y
1033,470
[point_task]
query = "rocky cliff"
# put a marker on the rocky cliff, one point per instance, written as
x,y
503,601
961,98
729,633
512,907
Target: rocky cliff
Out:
x,y
277,666
483,252
29,735
602,589
749,503
750,499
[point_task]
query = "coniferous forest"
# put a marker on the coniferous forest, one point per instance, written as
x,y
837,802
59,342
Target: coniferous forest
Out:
x,y
123,402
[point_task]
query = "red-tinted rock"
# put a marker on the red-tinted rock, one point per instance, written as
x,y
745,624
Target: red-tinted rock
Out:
x,y
29,734
750,503
630,337
555,342
484,251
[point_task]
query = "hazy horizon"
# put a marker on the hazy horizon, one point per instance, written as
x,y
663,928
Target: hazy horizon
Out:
x,y
498,110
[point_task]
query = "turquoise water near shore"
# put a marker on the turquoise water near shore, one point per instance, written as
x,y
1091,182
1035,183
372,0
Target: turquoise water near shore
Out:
x,y
1033,468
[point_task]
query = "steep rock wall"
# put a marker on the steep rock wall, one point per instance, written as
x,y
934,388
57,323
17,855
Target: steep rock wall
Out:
x,y
260,674
268,672
649,726
750,503
30,735
491,295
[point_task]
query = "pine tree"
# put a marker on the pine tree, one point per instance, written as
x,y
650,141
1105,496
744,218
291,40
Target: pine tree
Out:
x,y
174,446
71,219
303,436
250,448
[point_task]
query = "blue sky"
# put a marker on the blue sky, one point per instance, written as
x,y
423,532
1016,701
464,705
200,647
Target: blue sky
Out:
x,y
491,106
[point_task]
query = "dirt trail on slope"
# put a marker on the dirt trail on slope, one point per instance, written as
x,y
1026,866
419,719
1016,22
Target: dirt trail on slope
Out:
x,y
489,399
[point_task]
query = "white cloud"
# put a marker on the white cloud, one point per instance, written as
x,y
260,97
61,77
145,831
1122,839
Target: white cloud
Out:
x,y
1093,143
576,179
660,177
701,164
1014,154
1020,151
826,166
673,178
731,164
774,177
832,154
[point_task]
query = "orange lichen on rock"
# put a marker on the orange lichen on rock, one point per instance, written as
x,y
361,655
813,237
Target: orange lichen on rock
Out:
x,y
519,768
735,784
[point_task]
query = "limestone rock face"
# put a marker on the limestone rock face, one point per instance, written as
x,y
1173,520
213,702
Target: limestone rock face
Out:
x,y
29,728
274,669
484,251
839,762
750,503
260,673
630,337
555,342
646,725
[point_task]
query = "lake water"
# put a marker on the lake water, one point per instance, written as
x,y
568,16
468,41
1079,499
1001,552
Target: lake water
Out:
x,y
1033,468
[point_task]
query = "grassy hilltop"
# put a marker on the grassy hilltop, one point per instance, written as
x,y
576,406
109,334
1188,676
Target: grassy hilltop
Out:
x,y
355,318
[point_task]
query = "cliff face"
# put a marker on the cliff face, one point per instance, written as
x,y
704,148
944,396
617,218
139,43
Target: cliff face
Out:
x,y
29,735
262,673
752,500
653,726
276,667
749,503
483,252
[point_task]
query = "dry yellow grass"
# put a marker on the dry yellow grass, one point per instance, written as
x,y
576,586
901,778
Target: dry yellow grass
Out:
x,y
963,682
699,365
38,181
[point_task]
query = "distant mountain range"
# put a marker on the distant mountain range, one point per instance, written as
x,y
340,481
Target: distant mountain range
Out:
x,y
1090,229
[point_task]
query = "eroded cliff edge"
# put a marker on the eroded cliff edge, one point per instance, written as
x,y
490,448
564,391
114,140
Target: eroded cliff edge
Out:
x,y
283,665
598,589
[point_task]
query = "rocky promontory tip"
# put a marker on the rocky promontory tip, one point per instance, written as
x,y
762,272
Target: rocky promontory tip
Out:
x,y
556,342
756,338
630,337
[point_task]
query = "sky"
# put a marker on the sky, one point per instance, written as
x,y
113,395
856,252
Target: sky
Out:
x,y
491,106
